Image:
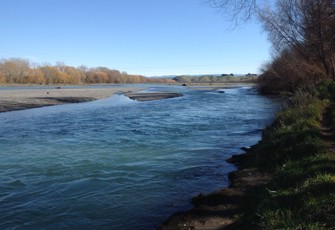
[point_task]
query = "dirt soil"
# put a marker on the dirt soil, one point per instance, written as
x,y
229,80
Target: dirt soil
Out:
x,y
218,210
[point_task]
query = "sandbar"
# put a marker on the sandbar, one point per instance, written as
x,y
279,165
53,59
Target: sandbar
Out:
x,y
152,96
27,98
19,99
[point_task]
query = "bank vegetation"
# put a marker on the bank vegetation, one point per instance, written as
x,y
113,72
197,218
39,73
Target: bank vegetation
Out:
x,y
223,78
22,71
298,149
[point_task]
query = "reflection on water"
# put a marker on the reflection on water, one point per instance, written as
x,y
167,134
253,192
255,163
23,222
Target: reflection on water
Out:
x,y
116,163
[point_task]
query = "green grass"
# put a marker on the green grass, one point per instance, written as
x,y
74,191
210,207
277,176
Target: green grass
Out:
x,y
302,193
294,134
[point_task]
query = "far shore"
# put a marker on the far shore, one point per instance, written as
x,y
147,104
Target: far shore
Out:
x,y
19,99
27,98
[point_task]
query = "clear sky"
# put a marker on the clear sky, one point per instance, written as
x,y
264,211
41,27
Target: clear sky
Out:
x,y
148,37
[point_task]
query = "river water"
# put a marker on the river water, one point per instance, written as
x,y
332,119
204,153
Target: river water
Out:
x,y
116,163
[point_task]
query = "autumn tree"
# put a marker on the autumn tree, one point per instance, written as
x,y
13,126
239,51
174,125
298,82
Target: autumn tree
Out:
x,y
82,70
35,76
14,69
74,75
21,71
53,75
2,78
94,77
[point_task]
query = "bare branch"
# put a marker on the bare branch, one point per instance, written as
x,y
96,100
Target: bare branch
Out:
x,y
238,10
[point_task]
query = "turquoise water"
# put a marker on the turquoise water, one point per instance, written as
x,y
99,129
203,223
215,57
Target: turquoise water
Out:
x,y
116,163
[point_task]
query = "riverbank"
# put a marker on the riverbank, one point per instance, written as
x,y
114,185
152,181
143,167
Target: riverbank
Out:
x,y
220,209
286,181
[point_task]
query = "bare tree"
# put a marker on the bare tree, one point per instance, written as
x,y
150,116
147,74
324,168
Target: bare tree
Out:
x,y
240,10
306,27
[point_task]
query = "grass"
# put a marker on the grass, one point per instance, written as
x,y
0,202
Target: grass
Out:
x,y
301,196
294,134
302,193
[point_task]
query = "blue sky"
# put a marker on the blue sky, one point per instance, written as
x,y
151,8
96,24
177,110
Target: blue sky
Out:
x,y
148,37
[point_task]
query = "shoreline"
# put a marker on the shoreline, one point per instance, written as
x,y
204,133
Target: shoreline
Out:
x,y
20,99
29,98
219,209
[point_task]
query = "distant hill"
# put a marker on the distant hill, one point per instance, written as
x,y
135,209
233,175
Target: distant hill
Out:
x,y
215,78
164,77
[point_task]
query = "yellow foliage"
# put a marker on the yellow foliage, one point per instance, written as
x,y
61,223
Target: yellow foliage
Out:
x,y
18,70
2,78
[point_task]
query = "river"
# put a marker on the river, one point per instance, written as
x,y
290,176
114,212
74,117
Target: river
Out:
x,y
116,163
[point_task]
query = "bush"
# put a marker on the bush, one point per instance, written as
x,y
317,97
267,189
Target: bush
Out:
x,y
289,72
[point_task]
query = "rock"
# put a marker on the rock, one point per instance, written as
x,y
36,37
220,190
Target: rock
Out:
x,y
246,149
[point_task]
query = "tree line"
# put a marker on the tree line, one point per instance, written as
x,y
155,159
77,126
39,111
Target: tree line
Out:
x,y
224,78
22,71
302,33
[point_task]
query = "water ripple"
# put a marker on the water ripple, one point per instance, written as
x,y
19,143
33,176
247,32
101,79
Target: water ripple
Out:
x,y
120,164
